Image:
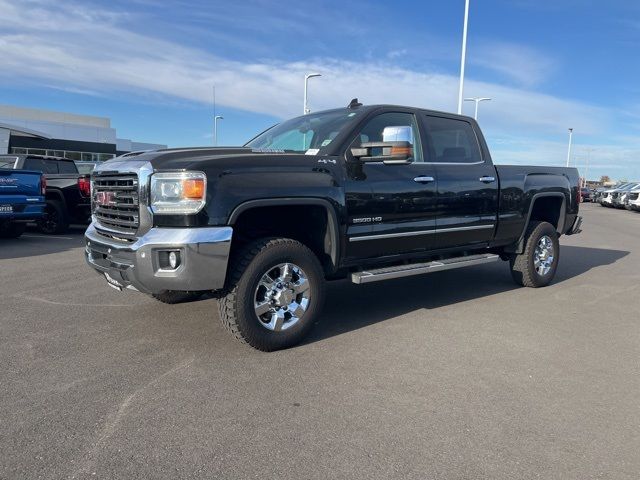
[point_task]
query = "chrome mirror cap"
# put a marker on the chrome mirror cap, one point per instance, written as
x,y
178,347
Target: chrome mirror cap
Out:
x,y
398,134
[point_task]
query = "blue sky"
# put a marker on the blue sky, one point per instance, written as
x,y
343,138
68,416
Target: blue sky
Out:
x,y
150,67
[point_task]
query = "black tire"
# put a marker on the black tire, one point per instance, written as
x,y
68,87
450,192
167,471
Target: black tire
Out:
x,y
12,230
236,306
174,296
55,220
523,269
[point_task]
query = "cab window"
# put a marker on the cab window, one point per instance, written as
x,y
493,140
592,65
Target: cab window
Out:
x,y
390,127
67,167
452,141
8,163
35,164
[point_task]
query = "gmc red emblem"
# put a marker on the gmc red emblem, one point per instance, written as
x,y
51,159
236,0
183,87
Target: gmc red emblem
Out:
x,y
106,199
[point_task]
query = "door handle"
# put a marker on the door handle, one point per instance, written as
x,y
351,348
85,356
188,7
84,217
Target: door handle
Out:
x,y
487,179
424,179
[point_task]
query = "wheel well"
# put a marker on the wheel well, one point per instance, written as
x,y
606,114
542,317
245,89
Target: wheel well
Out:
x,y
308,224
547,209
54,195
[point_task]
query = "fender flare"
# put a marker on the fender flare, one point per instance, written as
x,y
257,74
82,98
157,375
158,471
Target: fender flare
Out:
x,y
519,244
58,196
332,218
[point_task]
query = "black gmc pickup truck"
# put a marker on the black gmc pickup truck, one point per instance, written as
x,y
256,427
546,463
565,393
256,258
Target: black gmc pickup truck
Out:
x,y
364,192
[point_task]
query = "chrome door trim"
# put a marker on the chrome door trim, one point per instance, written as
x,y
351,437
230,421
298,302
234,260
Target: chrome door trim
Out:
x,y
420,232
456,163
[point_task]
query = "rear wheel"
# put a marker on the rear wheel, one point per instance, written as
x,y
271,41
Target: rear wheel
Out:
x,y
12,230
537,265
275,294
55,219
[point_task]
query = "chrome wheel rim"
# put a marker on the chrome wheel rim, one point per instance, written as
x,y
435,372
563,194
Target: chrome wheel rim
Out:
x,y
282,297
543,256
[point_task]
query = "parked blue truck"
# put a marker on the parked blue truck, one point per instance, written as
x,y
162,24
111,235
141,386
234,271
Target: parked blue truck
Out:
x,y
21,200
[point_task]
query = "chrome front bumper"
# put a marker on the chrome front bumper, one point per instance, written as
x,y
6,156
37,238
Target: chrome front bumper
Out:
x,y
203,253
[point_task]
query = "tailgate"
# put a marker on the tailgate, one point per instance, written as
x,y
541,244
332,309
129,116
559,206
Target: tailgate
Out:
x,y
19,182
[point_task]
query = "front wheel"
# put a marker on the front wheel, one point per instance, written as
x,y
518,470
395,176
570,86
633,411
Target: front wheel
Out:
x,y
275,294
537,265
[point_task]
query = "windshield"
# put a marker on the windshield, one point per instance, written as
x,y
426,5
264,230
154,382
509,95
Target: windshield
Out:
x,y
308,134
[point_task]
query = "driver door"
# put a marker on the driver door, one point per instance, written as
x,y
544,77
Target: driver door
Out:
x,y
391,207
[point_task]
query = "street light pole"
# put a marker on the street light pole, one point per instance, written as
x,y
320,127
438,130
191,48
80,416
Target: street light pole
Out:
x,y
215,128
569,150
477,100
306,81
464,54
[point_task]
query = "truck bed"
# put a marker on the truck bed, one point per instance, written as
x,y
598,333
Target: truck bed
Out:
x,y
20,195
521,184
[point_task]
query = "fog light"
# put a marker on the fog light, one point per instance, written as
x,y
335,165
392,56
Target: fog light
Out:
x,y
169,259
173,260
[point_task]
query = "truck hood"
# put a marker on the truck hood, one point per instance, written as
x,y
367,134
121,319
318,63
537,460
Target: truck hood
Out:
x,y
216,158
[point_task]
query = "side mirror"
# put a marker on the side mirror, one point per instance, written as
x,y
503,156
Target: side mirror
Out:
x,y
397,153
403,133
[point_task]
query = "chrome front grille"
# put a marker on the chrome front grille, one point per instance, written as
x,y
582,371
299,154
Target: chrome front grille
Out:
x,y
115,203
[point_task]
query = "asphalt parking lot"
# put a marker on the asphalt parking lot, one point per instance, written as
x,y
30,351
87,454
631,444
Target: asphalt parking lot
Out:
x,y
454,375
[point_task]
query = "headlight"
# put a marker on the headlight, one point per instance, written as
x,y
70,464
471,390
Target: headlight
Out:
x,y
178,192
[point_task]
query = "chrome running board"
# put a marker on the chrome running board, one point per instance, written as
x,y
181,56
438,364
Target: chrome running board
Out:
x,y
398,271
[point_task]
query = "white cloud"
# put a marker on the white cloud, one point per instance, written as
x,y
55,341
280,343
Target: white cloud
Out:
x,y
87,49
615,160
401,52
523,65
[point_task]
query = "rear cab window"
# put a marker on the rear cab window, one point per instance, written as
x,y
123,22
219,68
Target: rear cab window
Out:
x,y
67,167
50,166
451,141
8,163
34,164
41,164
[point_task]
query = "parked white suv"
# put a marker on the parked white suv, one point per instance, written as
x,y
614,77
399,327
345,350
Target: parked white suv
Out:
x,y
620,196
606,197
633,199
610,197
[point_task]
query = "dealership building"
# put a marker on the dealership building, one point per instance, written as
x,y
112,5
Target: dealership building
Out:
x,y
78,137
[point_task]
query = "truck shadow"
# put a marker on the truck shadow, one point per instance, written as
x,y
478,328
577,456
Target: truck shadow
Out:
x,y
351,307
